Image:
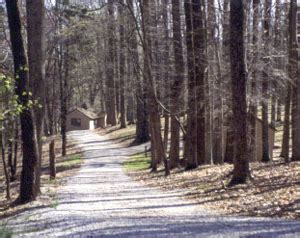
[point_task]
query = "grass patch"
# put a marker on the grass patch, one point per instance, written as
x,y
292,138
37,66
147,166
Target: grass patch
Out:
x,y
137,162
5,232
54,204
73,160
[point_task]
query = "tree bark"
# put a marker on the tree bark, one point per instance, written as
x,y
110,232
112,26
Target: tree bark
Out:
x,y
176,88
35,38
253,102
265,83
142,124
294,75
190,146
30,157
153,107
200,66
52,160
241,170
122,68
7,180
285,148
110,75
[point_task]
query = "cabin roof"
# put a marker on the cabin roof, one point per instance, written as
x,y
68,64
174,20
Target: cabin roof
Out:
x,y
88,113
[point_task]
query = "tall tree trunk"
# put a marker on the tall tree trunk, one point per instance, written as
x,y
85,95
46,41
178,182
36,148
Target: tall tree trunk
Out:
x,y
285,148
217,88
190,146
241,164
52,161
230,145
122,69
30,157
166,69
265,83
35,35
63,81
153,107
110,76
176,88
198,17
253,102
142,124
294,75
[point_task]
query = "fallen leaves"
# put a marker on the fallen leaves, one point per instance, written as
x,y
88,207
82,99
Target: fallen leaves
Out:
x,y
273,192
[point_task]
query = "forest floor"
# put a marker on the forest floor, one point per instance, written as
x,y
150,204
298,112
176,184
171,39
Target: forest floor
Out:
x,y
100,200
273,192
66,167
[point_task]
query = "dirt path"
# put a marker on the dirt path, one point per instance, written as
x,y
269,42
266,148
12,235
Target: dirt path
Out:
x,y
101,201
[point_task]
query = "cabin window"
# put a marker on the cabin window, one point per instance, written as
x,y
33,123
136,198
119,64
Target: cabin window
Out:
x,y
76,122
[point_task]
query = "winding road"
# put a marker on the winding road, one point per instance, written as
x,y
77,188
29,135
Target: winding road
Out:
x,y
102,201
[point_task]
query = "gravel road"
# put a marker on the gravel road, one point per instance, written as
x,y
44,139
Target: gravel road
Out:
x,y
102,201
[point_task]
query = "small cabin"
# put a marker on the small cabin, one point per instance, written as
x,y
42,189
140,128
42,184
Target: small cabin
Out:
x,y
84,119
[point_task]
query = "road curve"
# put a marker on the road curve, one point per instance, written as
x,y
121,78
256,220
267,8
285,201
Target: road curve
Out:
x,y
102,201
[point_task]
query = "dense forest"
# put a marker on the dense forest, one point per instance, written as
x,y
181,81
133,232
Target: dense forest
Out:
x,y
206,82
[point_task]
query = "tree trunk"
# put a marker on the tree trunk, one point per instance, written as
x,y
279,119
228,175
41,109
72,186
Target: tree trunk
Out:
x,y
122,69
30,157
15,153
63,80
153,107
190,146
10,156
110,76
285,148
142,124
294,75
253,101
35,37
166,131
52,160
216,88
7,180
241,170
200,66
265,84
176,88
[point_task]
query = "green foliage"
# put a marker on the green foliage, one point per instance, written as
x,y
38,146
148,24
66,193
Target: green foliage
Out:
x,y
54,204
10,103
137,162
5,232
71,161
75,158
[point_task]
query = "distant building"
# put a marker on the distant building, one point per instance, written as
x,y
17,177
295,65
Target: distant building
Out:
x,y
85,119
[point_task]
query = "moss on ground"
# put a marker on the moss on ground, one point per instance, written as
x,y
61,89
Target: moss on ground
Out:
x,y
137,162
71,161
